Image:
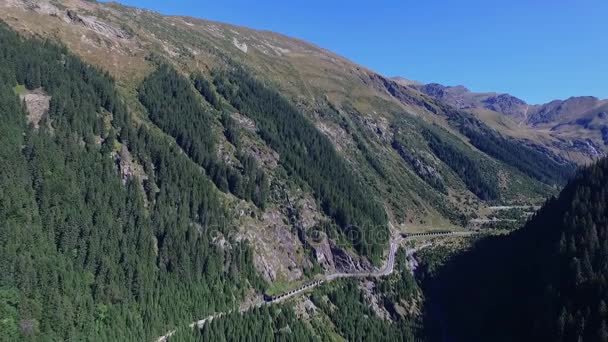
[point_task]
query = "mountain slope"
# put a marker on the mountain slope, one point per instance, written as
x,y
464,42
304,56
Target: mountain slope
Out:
x,y
396,141
165,168
544,282
313,78
576,128
84,248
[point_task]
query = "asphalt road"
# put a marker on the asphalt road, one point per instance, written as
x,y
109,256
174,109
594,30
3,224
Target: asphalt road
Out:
x,y
384,271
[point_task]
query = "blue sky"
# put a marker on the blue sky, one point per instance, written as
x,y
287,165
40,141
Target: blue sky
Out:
x,y
538,50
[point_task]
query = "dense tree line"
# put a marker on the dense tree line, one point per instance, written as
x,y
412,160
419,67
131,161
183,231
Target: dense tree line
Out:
x,y
173,105
231,130
370,157
399,287
544,282
252,183
206,89
417,163
531,162
84,256
468,169
353,318
275,323
308,155
344,305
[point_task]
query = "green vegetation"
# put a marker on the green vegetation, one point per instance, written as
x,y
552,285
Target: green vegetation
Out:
x,y
20,89
415,162
263,324
176,109
527,160
84,256
309,156
354,320
341,303
280,286
267,323
506,225
173,106
369,156
206,89
418,172
90,253
507,219
399,286
544,282
231,130
511,214
480,183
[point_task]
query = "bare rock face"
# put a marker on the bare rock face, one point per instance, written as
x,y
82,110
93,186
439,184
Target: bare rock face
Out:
x,y
367,287
245,122
323,253
129,168
426,172
28,327
379,126
239,45
584,146
70,16
347,263
96,25
37,105
308,212
336,134
265,156
276,248
305,309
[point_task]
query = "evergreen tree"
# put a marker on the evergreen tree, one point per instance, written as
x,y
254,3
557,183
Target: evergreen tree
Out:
x,y
544,282
306,154
86,254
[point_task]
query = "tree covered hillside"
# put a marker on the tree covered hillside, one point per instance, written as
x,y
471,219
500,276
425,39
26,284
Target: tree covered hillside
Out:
x,y
307,116
86,255
308,155
117,229
545,282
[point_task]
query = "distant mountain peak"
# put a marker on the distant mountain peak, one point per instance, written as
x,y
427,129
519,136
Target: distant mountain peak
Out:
x,y
440,89
577,124
462,98
507,104
405,81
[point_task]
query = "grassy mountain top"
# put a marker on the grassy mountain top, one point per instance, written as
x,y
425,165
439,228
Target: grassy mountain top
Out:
x,y
576,128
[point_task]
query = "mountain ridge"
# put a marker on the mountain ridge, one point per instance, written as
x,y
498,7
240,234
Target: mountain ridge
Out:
x,y
579,120
464,98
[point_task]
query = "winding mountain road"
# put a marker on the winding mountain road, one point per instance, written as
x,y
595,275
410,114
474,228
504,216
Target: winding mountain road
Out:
x,y
385,271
